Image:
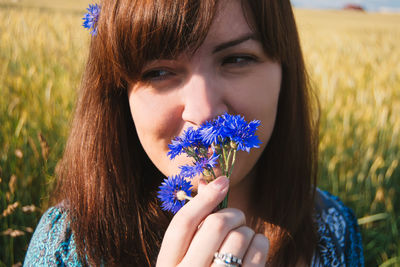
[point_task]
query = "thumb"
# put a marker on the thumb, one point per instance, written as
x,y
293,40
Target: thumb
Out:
x,y
201,185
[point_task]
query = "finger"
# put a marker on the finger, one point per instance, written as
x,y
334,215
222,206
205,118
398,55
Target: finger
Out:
x,y
257,253
200,186
237,242
184,224
211,235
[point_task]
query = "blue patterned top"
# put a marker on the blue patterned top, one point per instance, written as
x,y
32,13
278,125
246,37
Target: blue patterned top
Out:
x,y
339,239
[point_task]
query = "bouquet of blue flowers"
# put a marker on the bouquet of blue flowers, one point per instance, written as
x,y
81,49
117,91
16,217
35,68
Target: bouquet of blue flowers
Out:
x,y
214,144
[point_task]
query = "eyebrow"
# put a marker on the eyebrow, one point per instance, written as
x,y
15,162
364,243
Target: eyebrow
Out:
x,y
241,39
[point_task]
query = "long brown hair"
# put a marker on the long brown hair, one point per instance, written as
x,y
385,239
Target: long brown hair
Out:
x,y
105,178
283,195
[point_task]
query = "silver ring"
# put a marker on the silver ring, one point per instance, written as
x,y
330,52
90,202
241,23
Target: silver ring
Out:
x,y
227,259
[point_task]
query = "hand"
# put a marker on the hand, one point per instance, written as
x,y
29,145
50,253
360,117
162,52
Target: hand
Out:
x,y
195,234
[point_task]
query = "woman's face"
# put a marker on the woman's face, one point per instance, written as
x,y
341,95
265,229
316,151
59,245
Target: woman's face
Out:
x,y
229,72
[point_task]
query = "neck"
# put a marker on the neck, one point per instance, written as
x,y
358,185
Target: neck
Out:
x,y
239,195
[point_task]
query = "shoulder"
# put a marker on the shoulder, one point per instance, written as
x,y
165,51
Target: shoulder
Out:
x,y
339,239
53,241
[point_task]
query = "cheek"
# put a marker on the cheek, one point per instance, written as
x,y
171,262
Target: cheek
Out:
x,y
259,101
257,98
268,103
268,120
157,121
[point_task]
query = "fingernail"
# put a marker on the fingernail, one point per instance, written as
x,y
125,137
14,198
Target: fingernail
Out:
x,y
202,181
221,183
200,186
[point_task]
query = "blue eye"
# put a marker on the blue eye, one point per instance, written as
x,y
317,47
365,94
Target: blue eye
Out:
x,y
240,60
157,74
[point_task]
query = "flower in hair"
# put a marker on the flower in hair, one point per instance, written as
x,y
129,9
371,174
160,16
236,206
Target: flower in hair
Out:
x,y
91,18
213,144
174,191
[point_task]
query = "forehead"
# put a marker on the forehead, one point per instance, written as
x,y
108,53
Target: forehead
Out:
x,y
229,22
158,30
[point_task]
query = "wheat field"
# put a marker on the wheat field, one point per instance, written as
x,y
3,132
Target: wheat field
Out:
x,y
354,63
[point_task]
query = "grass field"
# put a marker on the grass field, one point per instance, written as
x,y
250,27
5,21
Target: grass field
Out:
x,y
354,63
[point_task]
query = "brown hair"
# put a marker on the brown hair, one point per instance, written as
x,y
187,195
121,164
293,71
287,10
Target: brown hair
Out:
x,y
287,169
106,179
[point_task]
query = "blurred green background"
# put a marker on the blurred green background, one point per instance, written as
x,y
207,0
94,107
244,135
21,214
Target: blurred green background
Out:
x,y
354,62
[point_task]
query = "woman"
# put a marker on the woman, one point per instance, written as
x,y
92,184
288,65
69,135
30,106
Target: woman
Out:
x,y
156,68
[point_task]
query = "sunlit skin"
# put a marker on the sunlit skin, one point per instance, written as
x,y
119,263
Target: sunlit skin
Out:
x,y
229,72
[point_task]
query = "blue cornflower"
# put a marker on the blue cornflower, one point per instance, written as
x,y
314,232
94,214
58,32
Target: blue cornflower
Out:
x,y
173,193
189,138
199,166
213,132
233,127
225,135
241,132
91,18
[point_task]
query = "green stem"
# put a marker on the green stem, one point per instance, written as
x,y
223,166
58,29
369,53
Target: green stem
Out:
x,y
233,163
224,160
224,203
213,173
221,163
227,162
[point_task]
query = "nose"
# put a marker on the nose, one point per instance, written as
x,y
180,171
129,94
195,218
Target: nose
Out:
x,y
203,100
